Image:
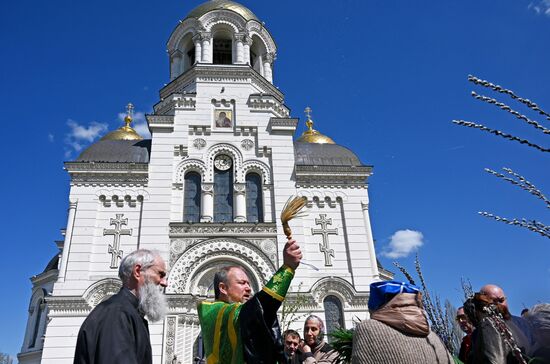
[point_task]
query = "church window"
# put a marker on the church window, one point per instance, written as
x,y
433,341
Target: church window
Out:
x,y
192,197
37,320
334,315
223,189
223,51
254,200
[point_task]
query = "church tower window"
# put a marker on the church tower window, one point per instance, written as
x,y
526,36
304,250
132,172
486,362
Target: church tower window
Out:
x,y
254,198
222,48
35,333
192,197
223,189
334,315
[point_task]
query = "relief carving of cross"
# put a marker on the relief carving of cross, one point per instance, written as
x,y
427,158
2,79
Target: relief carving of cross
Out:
x,y
324,232
114,249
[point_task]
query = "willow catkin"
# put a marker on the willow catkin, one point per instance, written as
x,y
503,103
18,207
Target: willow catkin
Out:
x,y
291,210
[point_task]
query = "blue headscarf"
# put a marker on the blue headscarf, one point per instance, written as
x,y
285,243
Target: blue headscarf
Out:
x,y
384,291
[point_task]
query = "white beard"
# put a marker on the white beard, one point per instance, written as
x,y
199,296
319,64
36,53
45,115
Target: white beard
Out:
x,y
152,302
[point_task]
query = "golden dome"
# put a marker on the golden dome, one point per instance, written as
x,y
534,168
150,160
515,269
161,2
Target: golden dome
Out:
x,y
225,5
125,132
311,135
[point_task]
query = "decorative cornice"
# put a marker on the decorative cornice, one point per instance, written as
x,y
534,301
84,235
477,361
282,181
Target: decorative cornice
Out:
x,y
215,73
67,306
267,103
179,101
283,125
107,173
45,277
160,122
183,229
333,176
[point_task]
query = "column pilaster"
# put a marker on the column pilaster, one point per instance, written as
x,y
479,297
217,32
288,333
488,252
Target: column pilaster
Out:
x,y
370,239
68,238
239,196
207,202
206,47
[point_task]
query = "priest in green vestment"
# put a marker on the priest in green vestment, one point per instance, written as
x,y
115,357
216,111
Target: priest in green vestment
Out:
x,y
240,328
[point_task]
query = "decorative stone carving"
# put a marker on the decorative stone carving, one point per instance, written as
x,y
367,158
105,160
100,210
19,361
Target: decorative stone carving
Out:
x,y
100,290
189,164
114,250
171,322
199,143
256,166
247,144
178,246
233,152
324,232
210,250
181,229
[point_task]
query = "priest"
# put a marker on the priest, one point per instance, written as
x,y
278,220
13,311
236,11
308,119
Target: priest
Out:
x,y
239,327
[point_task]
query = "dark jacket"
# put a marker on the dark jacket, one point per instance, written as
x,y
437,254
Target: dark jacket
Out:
x,y
114,332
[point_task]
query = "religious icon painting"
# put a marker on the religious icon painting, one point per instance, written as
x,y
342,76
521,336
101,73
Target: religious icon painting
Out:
x,y
223,118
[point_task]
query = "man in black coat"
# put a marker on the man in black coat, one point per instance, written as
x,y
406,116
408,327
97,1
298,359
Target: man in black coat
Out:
x,y
116,331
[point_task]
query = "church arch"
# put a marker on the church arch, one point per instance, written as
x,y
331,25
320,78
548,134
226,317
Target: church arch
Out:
x,y
36,322
189,26
188,165
335,286
186,270
229,150
258,167
101,290
255,28
258,51
222,44
230,19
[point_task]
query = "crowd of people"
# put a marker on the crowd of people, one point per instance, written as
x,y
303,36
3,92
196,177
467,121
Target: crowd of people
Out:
x,y
242,327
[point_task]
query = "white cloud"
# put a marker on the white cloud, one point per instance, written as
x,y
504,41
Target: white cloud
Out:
x,y
402,243
540,7
139,123
81,135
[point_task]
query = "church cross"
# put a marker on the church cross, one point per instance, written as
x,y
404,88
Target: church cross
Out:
x,y
324,232
308,112
130,109
114,249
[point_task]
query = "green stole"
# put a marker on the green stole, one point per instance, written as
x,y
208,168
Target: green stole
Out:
x,y
220,324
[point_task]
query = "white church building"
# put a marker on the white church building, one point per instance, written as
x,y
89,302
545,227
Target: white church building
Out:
x,y
206,190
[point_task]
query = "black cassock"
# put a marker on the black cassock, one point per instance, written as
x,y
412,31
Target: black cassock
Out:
x,y
114,332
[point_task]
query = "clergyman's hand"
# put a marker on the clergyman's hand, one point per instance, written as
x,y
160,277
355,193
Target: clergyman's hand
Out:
x,y
292,254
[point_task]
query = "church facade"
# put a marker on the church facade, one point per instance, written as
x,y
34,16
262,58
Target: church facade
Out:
x,y
206,191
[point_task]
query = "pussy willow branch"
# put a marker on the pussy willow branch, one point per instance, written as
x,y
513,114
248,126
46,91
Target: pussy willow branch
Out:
x,y
532,225
510,93
499,133
507,108
521,182
405,273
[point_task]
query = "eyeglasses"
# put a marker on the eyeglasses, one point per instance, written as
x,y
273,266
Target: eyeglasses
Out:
x,y
461,318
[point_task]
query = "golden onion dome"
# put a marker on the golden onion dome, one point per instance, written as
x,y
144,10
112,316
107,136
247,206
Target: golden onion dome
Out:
x,y
311,135
222,5
125,132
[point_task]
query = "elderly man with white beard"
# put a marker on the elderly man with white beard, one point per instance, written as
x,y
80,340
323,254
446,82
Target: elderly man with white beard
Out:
x,y
116,331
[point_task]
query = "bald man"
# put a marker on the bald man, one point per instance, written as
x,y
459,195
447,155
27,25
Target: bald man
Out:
x,y
489,346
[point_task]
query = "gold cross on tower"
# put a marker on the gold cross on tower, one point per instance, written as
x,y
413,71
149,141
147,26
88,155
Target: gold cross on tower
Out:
x,y
309,122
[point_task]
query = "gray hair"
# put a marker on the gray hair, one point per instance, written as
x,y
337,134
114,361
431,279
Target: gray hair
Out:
x,y
318,319
145,258
539,316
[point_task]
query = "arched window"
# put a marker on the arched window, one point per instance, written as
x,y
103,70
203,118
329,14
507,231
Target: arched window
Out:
x,y
254,198
192,197
222,50
334,315
37,320
223,189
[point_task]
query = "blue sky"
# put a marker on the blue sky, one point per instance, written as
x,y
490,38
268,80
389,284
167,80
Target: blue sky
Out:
x,y
384,78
